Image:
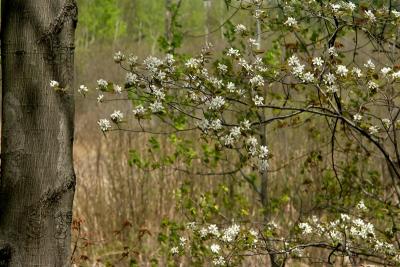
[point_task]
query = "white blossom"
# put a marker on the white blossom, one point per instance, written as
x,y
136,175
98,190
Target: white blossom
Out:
x,y
396,75
232,52
335,7
293,61
372,85
161,75
119,57
252,143
298,70
203,232
102,84
104,124
369,64
152,64
228,140
386,70
174,250
387,122
83,89
231,87
139,110
235,132
357,117
258,100
318,61
213,230
158,93
253,42
332,89
396,13
191,226
117,116
156,107
230,233
117,89
215,248
259,13
297,67
373,129
329,78
132,60
131,78
245,125
342,70
204,125
259,65
216,125
217,83
362,229
382,246
240,28
344,217
305,228
264,152
220,261
193,63
245,65
308,77
290,22
182,241
222,68
332,51
257,81
361,206
356,72
350,6
54,84
169,59
100,98
253,233
371,17
216,103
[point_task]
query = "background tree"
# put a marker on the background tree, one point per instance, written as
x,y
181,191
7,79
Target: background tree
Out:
x,y
37,175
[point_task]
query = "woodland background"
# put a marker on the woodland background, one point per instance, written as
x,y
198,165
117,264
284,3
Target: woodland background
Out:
x,y
118,208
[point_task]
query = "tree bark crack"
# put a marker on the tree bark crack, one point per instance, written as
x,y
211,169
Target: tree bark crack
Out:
x,y
53,195
5,255
68,11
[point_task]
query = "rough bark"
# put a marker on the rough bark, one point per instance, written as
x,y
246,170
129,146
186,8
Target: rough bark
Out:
x,y
37,178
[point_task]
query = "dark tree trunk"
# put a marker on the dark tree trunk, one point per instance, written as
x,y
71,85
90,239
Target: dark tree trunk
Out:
x,y
37,178
264,192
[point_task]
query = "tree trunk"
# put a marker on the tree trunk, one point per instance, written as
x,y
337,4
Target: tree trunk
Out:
x,y
37,178
264,190
168,21
258,29
207,7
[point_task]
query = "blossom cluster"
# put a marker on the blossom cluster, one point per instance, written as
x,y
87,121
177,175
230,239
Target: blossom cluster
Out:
x,y
218,241
352,232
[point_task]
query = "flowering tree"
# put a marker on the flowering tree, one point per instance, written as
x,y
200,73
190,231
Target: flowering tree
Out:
x,y
334,63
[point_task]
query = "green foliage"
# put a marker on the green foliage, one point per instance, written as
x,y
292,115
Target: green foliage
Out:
x,y
100,20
